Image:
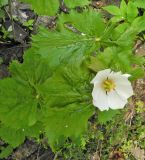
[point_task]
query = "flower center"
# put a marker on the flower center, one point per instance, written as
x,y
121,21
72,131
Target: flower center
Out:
x,y
108,85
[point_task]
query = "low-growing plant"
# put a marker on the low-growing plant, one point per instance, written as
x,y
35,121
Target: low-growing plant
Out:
x,y
2,3
29,24
50,92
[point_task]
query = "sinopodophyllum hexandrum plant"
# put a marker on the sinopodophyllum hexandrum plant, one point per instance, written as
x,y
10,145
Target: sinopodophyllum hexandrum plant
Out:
x,y
50,93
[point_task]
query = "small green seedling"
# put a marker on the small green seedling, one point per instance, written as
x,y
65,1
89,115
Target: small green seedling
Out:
x,y
126,12
29,24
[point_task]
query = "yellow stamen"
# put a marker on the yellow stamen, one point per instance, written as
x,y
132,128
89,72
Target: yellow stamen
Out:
x,y
108,85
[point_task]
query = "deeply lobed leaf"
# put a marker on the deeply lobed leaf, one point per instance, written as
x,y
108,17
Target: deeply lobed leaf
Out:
x,y
75,3
68,102
44,7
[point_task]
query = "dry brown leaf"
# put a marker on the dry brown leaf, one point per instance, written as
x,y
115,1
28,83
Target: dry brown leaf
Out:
x,y
131,111
116,155
138,153
95,156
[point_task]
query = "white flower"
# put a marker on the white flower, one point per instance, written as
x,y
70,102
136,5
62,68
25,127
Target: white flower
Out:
x,y
111,90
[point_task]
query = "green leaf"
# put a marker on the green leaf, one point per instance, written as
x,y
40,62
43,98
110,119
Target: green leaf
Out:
x,y
73,84
106,116
120,14
116,19
64,43
74,3
61,47
125,12
3,2
130,34
139,3
68,100
69,122
31,73
73,38
19,95
137,73
16,137
138,24
17,102
2,13
95,25
120,60
123,8
132,11
106,57
6,151
119,30
112,10
12,136
44,7
95,64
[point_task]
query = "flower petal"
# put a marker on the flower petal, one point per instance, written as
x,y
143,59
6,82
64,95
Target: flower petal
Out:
x,y
125,91
123,85
101,108
119,79
100,99
126,75
101,75
115,100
